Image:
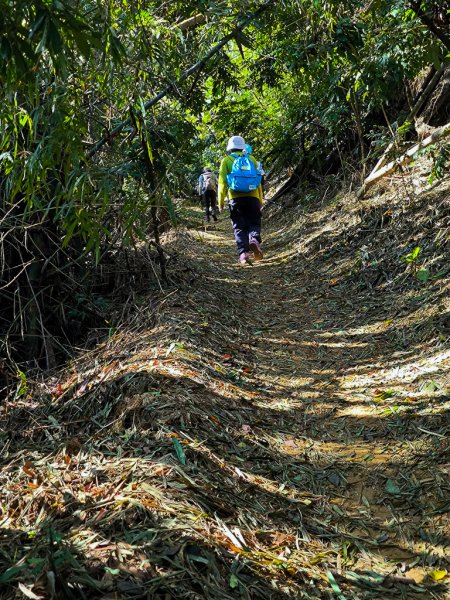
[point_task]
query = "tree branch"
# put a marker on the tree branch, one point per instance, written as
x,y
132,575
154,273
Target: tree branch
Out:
x,y
191,22
437,135
417,8
173,86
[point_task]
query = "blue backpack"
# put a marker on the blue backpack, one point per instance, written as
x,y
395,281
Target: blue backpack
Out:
x,y
243,177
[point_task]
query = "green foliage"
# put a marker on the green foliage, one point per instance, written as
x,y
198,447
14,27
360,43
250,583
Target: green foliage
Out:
x,y
22,388
412,256
298,81
287,83
420,272
440,163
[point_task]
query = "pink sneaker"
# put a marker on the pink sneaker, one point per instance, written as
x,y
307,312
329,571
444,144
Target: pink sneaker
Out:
x,y
244,258
255,247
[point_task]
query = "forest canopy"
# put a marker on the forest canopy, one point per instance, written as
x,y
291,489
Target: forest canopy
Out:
x,y
110,109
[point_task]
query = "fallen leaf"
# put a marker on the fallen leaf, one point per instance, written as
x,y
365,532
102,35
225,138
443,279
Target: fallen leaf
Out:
x,y
335,479
112,571
234,548
28,469
383,394
28,593
336,589
365,501
438,575
391,487
429,387
318,558
246,428
290,444
171,348
179,450
82,389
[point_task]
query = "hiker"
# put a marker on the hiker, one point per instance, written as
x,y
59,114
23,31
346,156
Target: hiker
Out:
x,y
239,178
207,189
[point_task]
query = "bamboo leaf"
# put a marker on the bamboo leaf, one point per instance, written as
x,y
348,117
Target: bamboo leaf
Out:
x,y
391,487
334,586
179,450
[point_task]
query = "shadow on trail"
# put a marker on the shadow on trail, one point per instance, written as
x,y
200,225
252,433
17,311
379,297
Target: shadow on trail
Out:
x,y
235,450
170,564
250,479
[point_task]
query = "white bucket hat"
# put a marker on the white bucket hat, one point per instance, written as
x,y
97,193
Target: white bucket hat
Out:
x,y
236,142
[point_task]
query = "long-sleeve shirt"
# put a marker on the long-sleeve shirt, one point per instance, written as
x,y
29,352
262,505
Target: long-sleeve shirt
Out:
x,y
225,168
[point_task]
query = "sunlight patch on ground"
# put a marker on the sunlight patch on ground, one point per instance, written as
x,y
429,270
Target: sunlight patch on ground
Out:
x,y
401,373
214,238
356,411
341,344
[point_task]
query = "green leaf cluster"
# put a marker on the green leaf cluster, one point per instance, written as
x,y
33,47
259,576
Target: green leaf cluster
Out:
x,y
301,81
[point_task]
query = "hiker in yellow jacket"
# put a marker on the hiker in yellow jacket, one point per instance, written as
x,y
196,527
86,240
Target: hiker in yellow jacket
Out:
x,y
245,207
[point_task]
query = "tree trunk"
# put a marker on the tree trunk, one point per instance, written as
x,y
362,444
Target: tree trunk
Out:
x,y
437,135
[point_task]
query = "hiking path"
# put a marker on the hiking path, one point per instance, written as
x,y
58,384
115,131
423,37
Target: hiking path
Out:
x,y
277,431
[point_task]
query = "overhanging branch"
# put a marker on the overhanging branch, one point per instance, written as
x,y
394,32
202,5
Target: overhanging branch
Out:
x,y
191,22
193,69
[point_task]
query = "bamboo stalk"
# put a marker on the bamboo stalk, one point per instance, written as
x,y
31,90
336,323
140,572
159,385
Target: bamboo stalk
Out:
x,y
437,135
191,22
415,109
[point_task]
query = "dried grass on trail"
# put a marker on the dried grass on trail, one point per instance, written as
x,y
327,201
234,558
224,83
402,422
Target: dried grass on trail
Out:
x,y
281,431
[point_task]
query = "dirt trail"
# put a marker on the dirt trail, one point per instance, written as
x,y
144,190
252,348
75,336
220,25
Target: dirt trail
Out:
x,y
275,434
342,411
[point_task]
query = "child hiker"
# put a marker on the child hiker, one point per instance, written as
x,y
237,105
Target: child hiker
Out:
x,y
239,177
